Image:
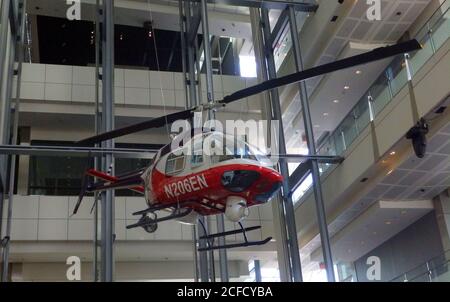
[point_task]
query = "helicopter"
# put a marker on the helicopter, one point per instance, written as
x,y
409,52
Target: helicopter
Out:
x,y
189,181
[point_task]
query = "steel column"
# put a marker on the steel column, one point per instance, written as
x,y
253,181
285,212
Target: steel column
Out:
x,y
257,269
277,207
191,58
12,172
284,170
4,17
183,49
193,101
203,256
107,229
223,259
211,115
320,208
97,120
194,252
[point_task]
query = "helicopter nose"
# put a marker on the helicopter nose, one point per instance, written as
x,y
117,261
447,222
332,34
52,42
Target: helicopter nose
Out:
x,y
269,194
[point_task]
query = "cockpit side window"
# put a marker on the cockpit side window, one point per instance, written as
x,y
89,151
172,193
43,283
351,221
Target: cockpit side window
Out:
x,y
175,164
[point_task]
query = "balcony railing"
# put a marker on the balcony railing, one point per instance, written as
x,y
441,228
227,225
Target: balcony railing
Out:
x,y
432,36
433,270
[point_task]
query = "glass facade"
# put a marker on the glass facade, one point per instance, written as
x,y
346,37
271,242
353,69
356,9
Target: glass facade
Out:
x,y
62,176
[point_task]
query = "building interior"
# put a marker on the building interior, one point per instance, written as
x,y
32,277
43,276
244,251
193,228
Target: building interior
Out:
x,y
364,151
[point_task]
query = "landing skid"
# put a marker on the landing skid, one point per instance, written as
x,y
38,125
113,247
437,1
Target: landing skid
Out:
x,y
150,225
210,239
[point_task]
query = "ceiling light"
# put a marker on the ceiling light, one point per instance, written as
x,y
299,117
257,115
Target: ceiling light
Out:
x,y
358,72
390,172
393,153
388,222
336,101
346,87
326,114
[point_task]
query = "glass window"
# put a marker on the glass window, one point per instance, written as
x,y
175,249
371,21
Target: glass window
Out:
x,y
62,176
175,164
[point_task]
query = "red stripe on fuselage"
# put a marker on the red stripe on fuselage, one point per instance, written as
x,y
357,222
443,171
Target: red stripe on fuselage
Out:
x,y
206,186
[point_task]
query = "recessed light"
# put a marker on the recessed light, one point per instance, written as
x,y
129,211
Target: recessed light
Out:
x,y
393,153
326,114
346,87
358,72
336,101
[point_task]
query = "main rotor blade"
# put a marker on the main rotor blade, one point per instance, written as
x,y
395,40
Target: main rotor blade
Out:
x,y
372,56
154,123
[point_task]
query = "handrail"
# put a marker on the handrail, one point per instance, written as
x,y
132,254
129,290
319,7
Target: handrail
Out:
x,y
436,262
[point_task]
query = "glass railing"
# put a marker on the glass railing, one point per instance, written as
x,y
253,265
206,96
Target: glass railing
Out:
x,y
434,270
432,36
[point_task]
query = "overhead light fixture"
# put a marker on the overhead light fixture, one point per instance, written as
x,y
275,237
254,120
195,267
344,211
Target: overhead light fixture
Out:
x,y
346,87
358,72
326,114
393,153
336,101
390,172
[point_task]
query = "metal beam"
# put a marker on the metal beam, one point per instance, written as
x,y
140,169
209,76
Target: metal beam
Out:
x,y
296,158
107,197
279,28
194,24
309,130
304,6
294,253
76,151
277,205
17,46
211,116
257,269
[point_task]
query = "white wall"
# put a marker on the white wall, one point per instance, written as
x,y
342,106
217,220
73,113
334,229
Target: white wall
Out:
x,y
63,83
48,218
